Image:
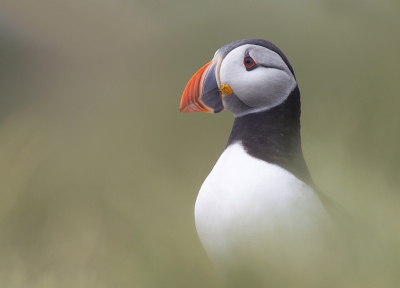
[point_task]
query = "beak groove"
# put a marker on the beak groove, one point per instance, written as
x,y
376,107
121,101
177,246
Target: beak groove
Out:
x,y
202,93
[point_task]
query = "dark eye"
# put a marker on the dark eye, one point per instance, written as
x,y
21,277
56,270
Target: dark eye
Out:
x,y
249,63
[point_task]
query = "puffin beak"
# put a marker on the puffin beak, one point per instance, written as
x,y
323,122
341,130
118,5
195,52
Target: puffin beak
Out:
x,y
202,93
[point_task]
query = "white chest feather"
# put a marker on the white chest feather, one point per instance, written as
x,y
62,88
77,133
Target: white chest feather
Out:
x,y
246,203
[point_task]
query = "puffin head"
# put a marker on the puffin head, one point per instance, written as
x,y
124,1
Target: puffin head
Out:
x,y
245,76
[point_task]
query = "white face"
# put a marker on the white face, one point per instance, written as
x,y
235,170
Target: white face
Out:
x,y
262,87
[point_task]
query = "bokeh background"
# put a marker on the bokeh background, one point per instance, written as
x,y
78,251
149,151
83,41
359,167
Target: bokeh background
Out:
x,y
100,171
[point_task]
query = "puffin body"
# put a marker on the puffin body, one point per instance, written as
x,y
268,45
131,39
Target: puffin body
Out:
x,y
247,203
259,200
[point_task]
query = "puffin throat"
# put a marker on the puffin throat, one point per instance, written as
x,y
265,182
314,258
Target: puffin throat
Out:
x,y
273,136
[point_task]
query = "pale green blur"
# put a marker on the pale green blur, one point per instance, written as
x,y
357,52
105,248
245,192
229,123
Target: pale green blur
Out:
x,y
99,171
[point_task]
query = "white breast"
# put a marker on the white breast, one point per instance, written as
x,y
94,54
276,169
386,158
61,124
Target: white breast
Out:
x,y
247,204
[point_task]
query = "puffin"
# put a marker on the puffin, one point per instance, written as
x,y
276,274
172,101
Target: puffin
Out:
x,y
259,206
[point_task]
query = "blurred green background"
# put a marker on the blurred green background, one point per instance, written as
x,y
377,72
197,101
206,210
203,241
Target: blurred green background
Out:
x,y
100,171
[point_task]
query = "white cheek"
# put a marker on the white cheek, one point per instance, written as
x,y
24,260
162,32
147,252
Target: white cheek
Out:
x,y
259,88
262,87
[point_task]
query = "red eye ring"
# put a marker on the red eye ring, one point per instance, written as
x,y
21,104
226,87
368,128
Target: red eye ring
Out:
x,y
249,63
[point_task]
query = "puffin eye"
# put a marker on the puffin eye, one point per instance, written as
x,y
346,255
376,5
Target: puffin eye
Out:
x,y
249,63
